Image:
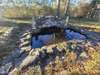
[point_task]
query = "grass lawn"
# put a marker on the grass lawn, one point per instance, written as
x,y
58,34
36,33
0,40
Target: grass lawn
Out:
x,y
19,21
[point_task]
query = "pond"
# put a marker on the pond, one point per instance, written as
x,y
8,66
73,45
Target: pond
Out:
x,y
41,40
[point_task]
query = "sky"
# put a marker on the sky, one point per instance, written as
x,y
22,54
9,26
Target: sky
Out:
x,y
75,2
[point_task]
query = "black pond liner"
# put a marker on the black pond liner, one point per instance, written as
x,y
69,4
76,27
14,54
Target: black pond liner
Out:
x,y
43,39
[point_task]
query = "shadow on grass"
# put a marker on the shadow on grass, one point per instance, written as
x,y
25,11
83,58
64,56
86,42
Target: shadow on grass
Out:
x,y
12,38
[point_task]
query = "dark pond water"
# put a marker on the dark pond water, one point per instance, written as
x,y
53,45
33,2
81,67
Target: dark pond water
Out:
x,y
43,39
70,35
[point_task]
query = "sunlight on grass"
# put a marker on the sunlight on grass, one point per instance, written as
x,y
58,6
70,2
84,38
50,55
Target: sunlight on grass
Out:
x,y
19,21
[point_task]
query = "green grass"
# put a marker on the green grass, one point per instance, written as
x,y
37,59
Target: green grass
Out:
x,y
29,21
85,21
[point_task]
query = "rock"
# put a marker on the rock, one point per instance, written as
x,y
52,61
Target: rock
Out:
x,y
25,43
14,72
49,21
94,43
91,49
61,46
71,46
49,50
18,61
84,55
26,48
79,49
29,59
25,34
5,69
89,43
16,53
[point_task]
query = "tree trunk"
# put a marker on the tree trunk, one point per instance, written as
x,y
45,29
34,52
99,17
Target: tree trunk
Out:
x,y
58,8
67,9
93,8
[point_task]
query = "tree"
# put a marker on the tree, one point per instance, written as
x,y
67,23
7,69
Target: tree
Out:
x,y
82,9
58,8
67,8
93,7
